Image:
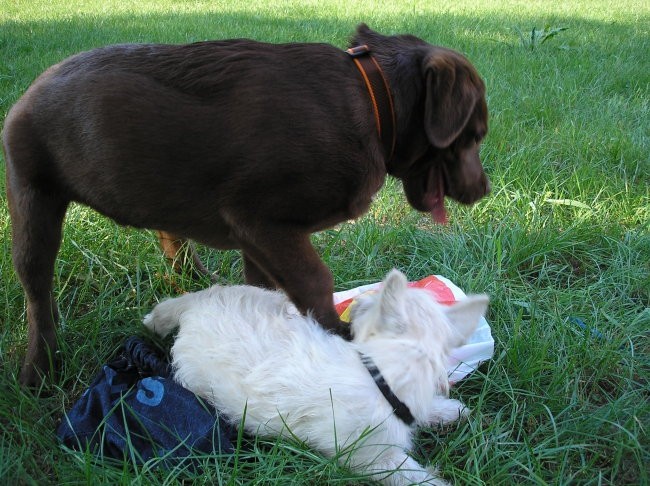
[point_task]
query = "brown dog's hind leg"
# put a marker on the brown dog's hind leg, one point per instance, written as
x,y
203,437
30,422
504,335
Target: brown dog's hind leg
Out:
x,y
179,251
36,221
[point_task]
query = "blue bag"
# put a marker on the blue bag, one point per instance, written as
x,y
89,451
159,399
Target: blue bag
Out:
x,y
134,409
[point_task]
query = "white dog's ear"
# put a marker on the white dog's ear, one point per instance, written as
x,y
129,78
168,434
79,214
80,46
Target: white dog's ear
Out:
x,y
465,315
392,300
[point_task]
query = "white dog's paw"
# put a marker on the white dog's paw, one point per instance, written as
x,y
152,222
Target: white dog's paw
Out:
x,y
448,410
434,477
456,410
464,411
399,469
164,317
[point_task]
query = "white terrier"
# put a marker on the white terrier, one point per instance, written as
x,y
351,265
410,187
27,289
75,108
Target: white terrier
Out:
x,y
246,349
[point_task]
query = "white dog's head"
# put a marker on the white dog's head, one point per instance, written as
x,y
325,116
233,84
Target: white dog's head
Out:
x,y
408,322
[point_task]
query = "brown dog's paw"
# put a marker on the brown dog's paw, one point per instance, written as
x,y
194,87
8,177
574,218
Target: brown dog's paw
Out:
x,y
343,330
37,381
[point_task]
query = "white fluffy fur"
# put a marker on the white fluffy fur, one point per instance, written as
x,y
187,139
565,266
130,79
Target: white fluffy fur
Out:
x,y
244,348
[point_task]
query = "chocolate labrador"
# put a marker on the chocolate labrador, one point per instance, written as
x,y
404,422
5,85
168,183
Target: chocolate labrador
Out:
x,y
236,144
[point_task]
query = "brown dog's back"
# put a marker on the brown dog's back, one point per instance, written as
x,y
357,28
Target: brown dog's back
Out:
x,y
170,137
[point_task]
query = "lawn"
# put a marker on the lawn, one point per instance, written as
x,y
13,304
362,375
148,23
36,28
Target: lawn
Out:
x,y
564,235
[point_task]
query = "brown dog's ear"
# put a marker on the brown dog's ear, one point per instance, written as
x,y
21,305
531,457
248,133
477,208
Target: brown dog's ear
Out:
x,y
451,95
363,28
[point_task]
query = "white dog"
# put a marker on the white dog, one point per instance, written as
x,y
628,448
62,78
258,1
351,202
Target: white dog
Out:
x,y
246,349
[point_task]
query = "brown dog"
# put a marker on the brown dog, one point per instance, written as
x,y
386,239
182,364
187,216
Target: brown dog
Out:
x,y
235,144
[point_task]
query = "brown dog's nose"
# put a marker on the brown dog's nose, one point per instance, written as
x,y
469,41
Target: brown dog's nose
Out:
x,y
475,192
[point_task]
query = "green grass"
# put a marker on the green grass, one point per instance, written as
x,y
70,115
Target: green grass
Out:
x,y
564,234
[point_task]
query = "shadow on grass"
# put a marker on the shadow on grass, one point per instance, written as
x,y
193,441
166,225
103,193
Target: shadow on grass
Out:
x,y
28,48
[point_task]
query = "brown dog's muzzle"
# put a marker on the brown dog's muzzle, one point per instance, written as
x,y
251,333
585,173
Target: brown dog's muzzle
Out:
x,y
465,179
453,172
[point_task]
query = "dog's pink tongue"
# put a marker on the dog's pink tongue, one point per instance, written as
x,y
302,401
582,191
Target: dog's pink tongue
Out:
x,y
435,196
439,213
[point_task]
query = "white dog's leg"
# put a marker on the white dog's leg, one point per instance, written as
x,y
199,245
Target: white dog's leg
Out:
x,y
447,410
165,316
402,470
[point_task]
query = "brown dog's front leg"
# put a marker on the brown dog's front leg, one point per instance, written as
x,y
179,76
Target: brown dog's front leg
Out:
x,y
254,275
179,251
291,261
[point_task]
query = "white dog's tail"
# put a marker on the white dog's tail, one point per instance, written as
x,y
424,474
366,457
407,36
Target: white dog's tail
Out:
x,y
165,317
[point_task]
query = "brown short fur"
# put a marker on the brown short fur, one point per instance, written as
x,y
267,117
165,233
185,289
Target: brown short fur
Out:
x,y
234,144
